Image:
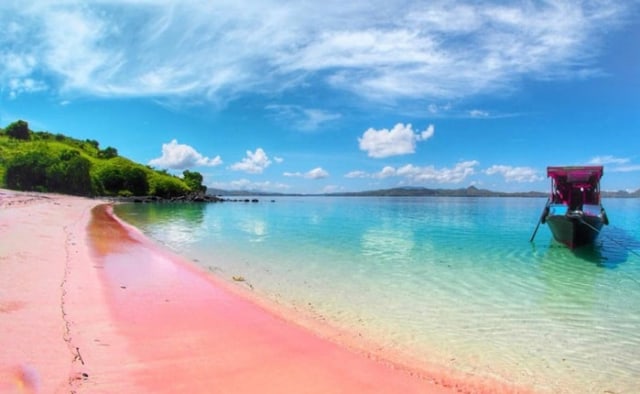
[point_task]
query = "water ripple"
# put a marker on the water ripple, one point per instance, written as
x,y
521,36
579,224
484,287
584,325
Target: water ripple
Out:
x,y
453,281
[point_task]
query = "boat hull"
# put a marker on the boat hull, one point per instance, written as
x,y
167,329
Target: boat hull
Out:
x,y
575,230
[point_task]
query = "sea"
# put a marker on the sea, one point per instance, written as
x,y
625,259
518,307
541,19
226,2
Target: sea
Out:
x,y
449,281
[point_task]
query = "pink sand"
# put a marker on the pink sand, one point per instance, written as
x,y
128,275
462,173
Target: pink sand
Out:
x,y
88,304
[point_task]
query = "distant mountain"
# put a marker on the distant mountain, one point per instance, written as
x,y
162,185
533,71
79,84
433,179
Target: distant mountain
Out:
x,y
621,194
244,193
416,191
470,191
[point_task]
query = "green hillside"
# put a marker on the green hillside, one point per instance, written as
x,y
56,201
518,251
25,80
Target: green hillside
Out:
x,y
46,162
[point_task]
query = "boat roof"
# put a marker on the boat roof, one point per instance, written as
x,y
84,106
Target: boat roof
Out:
x,y
576,173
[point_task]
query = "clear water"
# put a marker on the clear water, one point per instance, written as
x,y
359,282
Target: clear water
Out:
x,y
452,281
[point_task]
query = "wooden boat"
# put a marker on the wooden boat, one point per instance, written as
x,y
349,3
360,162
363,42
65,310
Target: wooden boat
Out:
x,y
574,212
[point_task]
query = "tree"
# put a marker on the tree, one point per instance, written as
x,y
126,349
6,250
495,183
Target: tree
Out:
x,y
28,171
41,170
135,180
70,176
193,179
108,153
167,187
18,130
112,179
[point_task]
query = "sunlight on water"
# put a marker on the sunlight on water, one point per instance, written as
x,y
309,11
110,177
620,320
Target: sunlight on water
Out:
x,y
452,281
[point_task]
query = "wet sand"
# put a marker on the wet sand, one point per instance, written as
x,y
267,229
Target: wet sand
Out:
x,y
88,304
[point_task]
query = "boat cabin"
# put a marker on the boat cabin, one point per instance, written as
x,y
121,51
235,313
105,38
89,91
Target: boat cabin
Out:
x,y
575,187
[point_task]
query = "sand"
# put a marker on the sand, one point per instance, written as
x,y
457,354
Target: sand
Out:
x,y
90,305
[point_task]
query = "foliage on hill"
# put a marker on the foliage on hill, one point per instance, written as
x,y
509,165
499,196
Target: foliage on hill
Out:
x,y
42,161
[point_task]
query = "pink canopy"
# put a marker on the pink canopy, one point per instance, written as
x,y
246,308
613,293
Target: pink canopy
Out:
x,y
576,173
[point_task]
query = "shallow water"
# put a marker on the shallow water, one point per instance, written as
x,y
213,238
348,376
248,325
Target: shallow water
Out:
x,y
453,281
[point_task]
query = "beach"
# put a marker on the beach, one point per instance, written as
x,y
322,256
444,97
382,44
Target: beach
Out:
x,y
88,304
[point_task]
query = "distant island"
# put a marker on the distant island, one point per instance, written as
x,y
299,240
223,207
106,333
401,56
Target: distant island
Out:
x,y
470,191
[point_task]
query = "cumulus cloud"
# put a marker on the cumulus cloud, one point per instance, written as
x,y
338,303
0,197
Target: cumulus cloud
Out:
x,y
180,156
457,174
386,172
514,174
400,140
121,48
254,163
417,174
316,173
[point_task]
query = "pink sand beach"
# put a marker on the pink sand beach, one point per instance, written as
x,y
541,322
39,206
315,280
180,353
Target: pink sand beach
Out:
x,y
90,305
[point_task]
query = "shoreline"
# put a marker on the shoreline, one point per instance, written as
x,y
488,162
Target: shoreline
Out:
x,y
163,324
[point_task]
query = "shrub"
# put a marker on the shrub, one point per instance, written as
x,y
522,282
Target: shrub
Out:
x,y
18,130
78,175
111,178
136,181
108,153
166,186
28,171
193,179
120,176
41,170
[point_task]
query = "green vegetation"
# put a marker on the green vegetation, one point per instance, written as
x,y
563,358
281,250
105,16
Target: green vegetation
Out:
x,y
42,161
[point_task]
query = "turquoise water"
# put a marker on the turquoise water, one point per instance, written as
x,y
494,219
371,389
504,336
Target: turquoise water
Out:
x,y
451,281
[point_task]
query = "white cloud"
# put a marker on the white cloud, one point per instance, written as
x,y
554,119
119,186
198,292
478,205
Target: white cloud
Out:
x,y
423,50
254,163
400,140
627,168
417,174
180,156
245,184
435,109
457,174
356,174
608,159
316,173
514,174
304,119
615,164
386,172
278,159
477,113
18,86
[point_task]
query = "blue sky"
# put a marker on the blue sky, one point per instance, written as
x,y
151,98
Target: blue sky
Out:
x,y
335,96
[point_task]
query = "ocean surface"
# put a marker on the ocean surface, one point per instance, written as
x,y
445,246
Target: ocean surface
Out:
x,y
450,281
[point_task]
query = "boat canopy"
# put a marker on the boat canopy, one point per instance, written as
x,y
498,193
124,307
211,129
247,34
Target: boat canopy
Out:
x,y
576,173
575,185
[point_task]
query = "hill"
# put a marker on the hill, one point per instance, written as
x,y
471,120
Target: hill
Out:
x,y
470,191
46,162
